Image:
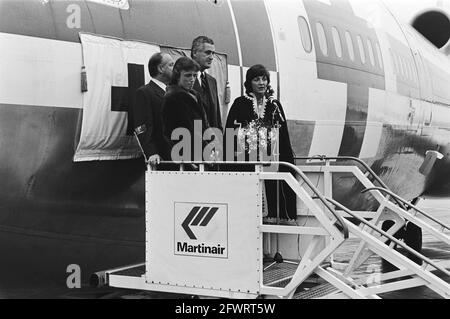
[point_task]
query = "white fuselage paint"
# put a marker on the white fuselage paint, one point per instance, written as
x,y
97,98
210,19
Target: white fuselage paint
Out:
x,y
40,72
303,95
45,72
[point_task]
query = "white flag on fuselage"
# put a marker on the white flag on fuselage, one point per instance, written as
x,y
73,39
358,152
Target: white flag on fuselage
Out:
x,y
115,69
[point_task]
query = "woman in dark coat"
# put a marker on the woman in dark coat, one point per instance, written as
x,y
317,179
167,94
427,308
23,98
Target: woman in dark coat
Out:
x,y
182,108
258,105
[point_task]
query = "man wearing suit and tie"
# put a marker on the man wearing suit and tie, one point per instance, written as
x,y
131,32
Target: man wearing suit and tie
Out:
x,y
202,52
148,109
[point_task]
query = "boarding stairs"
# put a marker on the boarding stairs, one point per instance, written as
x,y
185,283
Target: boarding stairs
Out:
x,y
367,226
206,235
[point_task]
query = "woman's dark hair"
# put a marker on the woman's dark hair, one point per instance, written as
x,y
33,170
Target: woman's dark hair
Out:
x,y
183,64
253,72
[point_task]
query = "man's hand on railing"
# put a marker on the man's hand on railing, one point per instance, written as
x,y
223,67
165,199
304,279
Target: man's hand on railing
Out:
x,y
153,160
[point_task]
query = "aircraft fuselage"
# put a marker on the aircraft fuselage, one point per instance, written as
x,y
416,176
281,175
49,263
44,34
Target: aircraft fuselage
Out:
x,y
352,81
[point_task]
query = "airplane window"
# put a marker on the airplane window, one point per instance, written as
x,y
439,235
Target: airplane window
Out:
x,y
411,71
380,62
397,65
400,64
413,78
322,38
408,70
394,61
348,39
362,54
405,67
401,61
337,42
304,33
370,49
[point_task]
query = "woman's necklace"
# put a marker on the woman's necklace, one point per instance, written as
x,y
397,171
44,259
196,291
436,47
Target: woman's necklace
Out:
x,y
259,107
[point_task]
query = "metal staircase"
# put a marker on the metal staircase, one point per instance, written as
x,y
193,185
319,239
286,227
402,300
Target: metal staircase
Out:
x,y
367,227
308,271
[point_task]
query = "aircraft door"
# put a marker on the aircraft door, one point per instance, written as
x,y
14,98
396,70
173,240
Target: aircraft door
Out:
x,y
423,76
424,110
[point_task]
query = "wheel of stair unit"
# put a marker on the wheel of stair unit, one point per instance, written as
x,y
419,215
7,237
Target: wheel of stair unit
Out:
x,y
413,238
386,225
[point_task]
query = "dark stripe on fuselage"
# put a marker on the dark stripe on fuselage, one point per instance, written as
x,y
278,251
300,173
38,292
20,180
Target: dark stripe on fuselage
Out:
x,y
301,135
355,120
255,34
404,68
358,76
73,212
169,23
36,164
55,212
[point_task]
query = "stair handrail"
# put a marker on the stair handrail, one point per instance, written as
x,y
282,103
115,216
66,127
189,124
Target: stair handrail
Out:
x,y
390,237
381,189
338,217
350,158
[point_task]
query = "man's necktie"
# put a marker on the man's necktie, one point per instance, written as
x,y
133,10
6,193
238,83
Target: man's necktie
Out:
x,y
204,82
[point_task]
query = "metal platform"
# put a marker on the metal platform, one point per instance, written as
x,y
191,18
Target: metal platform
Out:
x,y
197,233
137,271
278,274
319,291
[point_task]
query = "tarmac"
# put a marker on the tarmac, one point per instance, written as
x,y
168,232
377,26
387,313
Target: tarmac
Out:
x,y
436,251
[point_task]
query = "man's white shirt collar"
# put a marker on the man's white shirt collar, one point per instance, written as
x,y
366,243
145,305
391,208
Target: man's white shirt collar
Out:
x,y
160,84
199,76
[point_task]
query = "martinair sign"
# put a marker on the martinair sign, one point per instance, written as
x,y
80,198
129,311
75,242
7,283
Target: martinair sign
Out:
x,y
201,229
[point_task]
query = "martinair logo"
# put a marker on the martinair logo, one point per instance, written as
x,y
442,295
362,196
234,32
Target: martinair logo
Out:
x,y
201,229
199,214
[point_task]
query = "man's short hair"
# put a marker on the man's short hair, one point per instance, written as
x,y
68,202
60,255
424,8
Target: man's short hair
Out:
x,y
153,64
198,41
